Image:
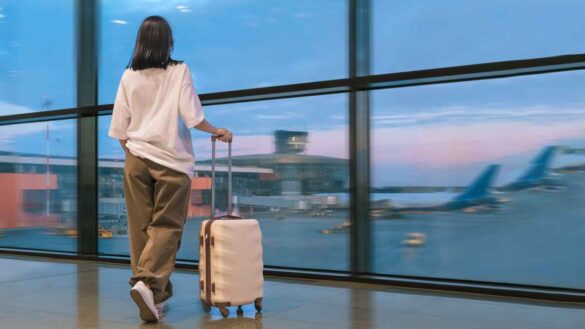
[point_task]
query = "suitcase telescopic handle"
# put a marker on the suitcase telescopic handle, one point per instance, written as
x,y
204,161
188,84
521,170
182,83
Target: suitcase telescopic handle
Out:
x,y
214,139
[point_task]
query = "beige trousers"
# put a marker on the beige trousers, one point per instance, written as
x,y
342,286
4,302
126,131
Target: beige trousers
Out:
x,y
157,199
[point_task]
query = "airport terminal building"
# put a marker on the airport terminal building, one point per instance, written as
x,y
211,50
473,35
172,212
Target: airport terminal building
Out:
x,y
288,172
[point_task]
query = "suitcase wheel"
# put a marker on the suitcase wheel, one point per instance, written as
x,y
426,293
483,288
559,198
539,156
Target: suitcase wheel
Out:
x,y
258,305
224,311
206,307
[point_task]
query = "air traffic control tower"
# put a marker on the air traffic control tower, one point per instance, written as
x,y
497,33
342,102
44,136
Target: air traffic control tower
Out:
x,y
295,171
290,142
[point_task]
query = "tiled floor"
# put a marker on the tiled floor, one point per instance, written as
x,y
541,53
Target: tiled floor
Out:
x,y
39,293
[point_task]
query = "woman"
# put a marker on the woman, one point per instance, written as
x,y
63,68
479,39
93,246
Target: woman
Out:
x,y
155,107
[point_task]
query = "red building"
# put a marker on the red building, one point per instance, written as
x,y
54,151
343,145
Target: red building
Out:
x,y
23,200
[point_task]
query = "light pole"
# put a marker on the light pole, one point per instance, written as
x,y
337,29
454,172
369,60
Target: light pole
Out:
x,y
46,104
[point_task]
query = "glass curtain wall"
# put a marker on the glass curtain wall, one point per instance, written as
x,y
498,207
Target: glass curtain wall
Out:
x,y
38,175
483,180
290,155
38,161
478,181
230,44
291,161
37,56
427,34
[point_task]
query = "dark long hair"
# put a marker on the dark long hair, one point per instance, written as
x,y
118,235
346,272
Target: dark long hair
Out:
x,y
154,45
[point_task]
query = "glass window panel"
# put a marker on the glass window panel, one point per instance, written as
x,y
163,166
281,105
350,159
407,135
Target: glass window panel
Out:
x,y
233,44
290,173
112,216
481,180
414,35
37,56
39,186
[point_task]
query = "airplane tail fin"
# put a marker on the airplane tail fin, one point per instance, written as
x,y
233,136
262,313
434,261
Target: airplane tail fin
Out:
x,y
539,165
481,185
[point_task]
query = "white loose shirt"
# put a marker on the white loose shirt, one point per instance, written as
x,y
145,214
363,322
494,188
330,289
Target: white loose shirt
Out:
x,y
154,110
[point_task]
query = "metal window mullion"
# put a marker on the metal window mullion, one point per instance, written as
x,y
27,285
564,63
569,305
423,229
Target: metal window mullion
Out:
x,y
359,132
87,203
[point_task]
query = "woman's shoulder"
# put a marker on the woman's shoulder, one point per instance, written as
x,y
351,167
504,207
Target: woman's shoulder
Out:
x,y
128,72
180,66
174,71
125,74
181,69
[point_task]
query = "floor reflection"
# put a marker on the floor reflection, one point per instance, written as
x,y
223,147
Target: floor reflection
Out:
x,y
88,296
361,316
39,293
245,321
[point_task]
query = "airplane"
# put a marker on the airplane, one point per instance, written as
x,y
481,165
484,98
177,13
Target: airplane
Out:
x,y
538,174
479,196
476,197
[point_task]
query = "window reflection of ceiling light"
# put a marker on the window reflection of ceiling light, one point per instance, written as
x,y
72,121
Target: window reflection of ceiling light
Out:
x,y
119,21
183,9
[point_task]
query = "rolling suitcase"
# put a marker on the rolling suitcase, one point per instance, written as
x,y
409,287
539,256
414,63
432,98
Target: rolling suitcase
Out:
x,y
230,255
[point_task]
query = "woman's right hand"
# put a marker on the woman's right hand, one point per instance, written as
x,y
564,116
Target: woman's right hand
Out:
x,y
224,135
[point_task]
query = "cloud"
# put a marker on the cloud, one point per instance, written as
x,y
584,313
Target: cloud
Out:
x,y
289,104
11,136
183,9
332,143
282,116
450,145
468,115
9,108
479,142
264,84
272,117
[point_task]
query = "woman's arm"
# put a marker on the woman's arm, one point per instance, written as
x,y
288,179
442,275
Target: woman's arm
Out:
x,y
192,112
223,134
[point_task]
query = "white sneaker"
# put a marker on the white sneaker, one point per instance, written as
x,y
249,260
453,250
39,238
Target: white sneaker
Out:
x,y
142,296
162,308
